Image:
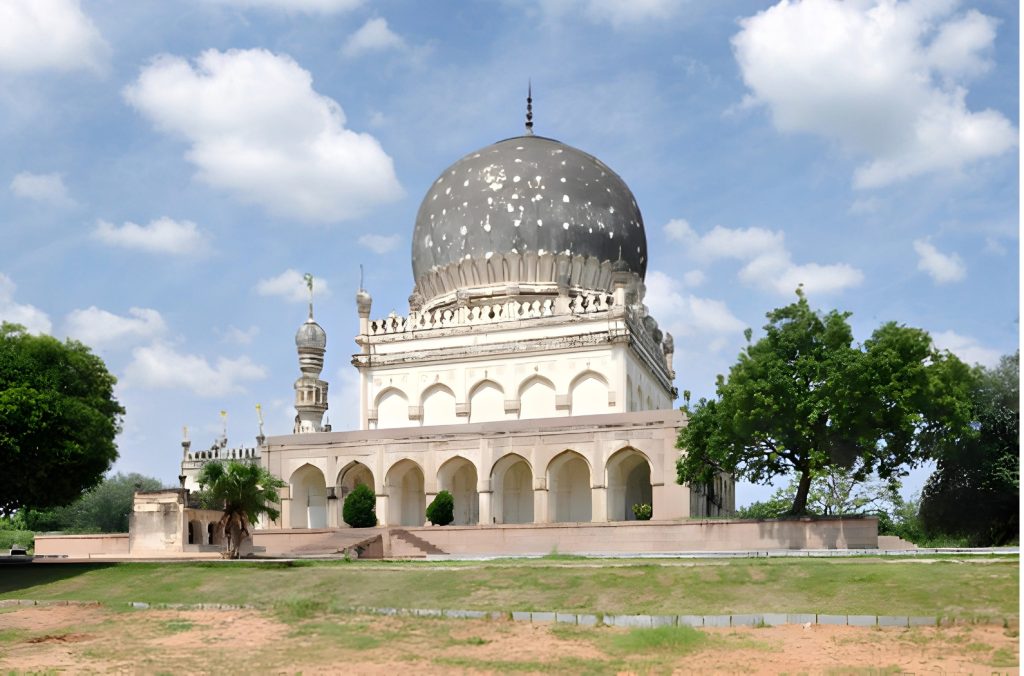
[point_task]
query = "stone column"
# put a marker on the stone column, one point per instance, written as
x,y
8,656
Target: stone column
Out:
x,y
333,511
540,501
383,518
598,504
485,507
286,512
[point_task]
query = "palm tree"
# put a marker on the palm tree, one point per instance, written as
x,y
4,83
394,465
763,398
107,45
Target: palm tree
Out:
x,y
246,492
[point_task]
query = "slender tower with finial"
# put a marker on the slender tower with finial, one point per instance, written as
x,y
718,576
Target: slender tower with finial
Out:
x,y
529,108
310,390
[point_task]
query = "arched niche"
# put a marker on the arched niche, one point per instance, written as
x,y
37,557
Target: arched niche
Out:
x,y
458,477
569,488
487,402
309,498
537,398
588,394
512,483
629,483
407,503
439,405
392,409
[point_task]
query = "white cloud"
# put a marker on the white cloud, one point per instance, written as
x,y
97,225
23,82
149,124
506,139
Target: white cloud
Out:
x,y
49,35
99,328
684,313
693,278
618,13
864,74
164,235
238,336
373,36
380,243
768,263
967,348
29,316
943,268
258,129
291,286
160,366
303,6
48,188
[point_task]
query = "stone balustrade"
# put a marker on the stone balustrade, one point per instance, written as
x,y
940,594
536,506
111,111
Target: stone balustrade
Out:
x,y
224,454
512,310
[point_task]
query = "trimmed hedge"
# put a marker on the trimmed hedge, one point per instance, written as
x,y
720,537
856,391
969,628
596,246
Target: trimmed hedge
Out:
x,y
441,511
22,538
359,508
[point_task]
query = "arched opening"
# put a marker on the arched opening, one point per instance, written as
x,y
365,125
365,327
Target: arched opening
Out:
x,y
309,498
392,409
487,402
588,395
193,532
458,477
439,406
512,483
407,503
629,483
569,488
209,534
537,398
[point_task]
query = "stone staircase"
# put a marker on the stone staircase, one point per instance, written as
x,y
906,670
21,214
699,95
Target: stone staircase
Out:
x,y
407,545
894,543
325,543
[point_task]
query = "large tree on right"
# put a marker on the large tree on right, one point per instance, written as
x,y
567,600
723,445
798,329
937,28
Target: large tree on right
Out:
x,y
805,399
974,492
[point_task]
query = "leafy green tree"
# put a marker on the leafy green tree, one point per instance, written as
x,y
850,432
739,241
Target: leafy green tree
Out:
x,y
104,509
359,510
833,492
975,490
805,399
441,510
245,492
58,420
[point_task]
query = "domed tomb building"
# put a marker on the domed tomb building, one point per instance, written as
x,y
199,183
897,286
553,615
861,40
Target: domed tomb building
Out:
x,y
527,378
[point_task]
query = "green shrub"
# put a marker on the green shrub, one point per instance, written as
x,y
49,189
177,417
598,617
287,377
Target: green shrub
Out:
x,y
441,510
642,511
359,509
22,538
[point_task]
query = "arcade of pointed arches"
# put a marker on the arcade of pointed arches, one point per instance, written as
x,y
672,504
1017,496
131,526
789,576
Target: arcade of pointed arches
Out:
x,y
488,400
565,491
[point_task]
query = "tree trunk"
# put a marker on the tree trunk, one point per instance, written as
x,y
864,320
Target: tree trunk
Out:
x,y
235,540
802,489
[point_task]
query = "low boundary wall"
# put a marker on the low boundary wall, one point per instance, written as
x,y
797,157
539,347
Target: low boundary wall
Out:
x,y
635,537
102,545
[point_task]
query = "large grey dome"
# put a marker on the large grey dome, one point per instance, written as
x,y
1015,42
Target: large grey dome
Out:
x,y
526,196
311,334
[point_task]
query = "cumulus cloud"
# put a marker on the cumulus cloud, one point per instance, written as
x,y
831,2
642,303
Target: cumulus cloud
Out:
x,y
885,80
99,328
768,262
291,286
617,13
160,366
46,188
303,6
373,36
237,336
257,129
29,316
164,235
967,348
49,35
685,313
380,243
942,268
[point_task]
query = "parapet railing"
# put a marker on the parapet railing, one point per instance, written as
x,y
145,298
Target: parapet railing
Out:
x,y
225,454
512,310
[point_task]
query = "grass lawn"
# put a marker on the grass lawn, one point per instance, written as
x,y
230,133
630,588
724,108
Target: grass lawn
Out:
x,y
963,587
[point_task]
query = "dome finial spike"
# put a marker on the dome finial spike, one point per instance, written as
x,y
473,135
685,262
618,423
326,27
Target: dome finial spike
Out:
x,y
529,108
309,285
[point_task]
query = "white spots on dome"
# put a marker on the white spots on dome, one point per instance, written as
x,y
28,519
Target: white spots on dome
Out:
x,y
444,212
516,222
476,155
565,198
496,186
537,198
487,223
563,163
590,231
447,191
453,172
541,252
465,204
611,234
565,226
515,250
515,179
515,195
556,151
510,208
487,256
638,249
428,241
444,237
540,222
465,183
539,179
611,210
490,200
519,147
563,179
568,252
517,160
434,197
468,256
431,216
440,180
462,230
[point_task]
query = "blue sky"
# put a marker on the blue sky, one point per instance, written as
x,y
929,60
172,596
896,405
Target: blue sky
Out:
x,y
170,169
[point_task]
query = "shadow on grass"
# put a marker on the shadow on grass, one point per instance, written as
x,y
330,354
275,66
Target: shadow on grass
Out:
x,y
18,577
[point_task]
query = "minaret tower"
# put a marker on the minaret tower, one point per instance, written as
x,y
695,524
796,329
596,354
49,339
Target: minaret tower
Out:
x,y
310,391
